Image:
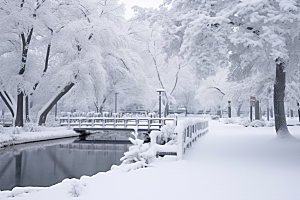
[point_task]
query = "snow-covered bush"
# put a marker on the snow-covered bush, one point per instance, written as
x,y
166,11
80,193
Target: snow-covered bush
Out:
x,y
270,123
245,122
32,127
63,114
15,130
76,188
228,121
137,156
90,114
167,134
214,117
136,151
52,122
258,123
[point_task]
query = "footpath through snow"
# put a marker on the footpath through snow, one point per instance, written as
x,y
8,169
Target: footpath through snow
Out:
x,y
230,162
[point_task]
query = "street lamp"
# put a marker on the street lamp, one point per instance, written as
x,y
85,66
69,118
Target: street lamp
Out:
x,y
116,102
298,110
159,100
229,109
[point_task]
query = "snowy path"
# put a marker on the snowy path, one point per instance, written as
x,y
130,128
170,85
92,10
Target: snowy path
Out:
x,y
229,163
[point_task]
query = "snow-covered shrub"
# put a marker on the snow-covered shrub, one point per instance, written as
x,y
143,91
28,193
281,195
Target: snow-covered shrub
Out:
x,y
270,123
136,151
214,117
258,123
245,122
15,130
137,156
167,134
52,122
228,121
32,127
76,188
63,114
82,114
90,114
1,129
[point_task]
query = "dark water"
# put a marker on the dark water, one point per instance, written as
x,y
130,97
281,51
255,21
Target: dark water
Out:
x,y
48,163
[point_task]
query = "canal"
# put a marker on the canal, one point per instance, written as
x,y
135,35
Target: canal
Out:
x,y
47,163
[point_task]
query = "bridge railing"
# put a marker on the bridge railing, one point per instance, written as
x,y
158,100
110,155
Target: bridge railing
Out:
x,y
187,132
115,122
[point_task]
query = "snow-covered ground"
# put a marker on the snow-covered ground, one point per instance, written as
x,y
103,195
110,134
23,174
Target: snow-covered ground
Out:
x,y
7,138
230,162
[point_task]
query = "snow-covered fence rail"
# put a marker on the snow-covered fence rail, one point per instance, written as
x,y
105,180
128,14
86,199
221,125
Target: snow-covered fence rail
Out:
x,y
187,132
116,122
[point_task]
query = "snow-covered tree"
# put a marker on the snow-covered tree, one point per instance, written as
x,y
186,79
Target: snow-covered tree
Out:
x,y
68,42
164,71
19,20
84,66
269,28
260,32
212,92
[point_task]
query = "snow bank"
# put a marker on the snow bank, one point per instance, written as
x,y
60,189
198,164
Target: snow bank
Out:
x,y
49,133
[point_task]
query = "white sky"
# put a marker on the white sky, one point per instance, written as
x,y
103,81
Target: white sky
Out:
x,y
143,3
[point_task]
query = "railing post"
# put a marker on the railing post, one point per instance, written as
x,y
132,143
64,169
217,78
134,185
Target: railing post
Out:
x,y
68,121
125,122
176,119
180,145
162,121
187,131
149,121
115,121
93,122
79,122
137,121
103,121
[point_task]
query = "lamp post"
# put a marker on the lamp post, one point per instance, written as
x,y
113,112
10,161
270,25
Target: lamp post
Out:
x,y
229,109
298,110
252,103
159,101
257,110
116,102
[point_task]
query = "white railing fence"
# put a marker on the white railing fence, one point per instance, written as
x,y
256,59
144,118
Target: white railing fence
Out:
x,y
115,121
187,132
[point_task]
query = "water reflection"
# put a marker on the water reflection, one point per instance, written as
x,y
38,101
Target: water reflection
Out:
x,y
45,165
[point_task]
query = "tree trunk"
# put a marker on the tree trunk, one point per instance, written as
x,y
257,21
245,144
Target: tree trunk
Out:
x,y
101,106
239,109
55,111
19,117
257,110
20,99
166,109
251,116
279,112
271,112
8,102
97,107
42,115
27,109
